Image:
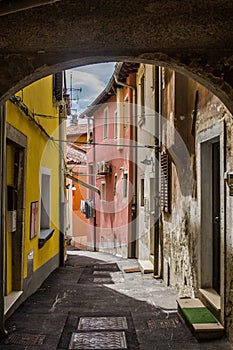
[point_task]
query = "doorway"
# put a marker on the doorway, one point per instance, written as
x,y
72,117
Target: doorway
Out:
x,y
216,216
16,174
152,217
212,205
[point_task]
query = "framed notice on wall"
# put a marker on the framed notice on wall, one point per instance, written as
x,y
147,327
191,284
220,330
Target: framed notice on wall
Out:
x,y
34,219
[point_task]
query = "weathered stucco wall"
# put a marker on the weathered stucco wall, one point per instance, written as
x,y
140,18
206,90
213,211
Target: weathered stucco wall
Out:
x,y
146,172
181,228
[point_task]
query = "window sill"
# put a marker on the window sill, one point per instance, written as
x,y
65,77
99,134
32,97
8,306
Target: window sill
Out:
x,y
45,235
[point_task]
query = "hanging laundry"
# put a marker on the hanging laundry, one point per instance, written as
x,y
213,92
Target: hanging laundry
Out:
x,y
89,204
86,209
82,206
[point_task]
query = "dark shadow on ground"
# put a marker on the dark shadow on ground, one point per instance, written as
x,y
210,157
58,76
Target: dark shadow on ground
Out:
x,y
47,319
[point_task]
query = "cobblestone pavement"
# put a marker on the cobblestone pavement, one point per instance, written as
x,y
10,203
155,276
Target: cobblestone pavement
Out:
x,y
92,303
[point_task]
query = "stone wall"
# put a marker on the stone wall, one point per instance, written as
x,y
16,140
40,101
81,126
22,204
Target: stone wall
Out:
x,y
181,228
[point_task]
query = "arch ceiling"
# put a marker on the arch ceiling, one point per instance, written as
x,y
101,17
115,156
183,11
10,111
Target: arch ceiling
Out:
x,y
38,37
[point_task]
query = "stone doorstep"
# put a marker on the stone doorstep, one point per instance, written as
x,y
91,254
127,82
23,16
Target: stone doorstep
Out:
x,y
10,299
146,266
202,331
132,270
212,297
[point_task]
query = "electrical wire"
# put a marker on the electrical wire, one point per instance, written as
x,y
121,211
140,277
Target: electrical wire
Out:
x,y
47,116
26,111
106,144
123,117
60,149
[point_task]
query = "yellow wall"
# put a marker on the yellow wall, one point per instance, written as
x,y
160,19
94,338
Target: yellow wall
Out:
x,y
40,152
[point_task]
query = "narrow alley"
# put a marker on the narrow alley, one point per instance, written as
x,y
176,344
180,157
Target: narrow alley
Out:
x,y
98,301
132,157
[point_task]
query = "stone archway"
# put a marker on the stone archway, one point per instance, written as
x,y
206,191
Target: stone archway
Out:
x,y
193,38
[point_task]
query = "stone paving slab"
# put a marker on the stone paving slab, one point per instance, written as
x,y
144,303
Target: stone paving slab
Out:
x,y
55,310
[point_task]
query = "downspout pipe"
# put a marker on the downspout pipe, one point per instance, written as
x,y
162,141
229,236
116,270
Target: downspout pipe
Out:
x,y
158,111
62,216
94,168
3,332
134,204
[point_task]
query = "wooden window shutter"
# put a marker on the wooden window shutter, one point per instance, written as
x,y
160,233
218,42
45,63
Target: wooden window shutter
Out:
x,y
164,183
57,86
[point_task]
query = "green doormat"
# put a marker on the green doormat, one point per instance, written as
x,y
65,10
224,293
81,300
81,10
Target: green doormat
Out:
x,y
199,315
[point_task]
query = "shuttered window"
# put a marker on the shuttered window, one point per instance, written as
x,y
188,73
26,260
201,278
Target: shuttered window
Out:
x,y
142,192
103,191
165,183
125,185
115,185
57,86
106,123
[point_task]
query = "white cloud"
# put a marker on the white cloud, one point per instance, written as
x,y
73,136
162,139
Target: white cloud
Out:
x,y
92,80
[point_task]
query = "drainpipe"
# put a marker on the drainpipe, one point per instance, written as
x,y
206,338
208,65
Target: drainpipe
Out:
x,y
158,111
3,332
132,250
94,170
61,191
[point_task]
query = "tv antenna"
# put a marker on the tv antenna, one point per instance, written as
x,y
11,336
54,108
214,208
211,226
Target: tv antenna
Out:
x,y
73,91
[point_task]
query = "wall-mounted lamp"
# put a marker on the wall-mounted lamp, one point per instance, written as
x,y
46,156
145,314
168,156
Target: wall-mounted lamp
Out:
x,y
228,177
147,161
73,188
122,168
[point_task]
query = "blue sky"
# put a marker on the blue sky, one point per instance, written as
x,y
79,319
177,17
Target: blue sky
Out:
x,y
92,80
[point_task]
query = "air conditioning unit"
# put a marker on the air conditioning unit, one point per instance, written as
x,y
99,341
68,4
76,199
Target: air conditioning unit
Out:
x,y
103,168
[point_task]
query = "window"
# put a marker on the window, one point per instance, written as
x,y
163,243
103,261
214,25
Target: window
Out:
x,y
141,119
91,172
45,201
105,123
142,90
120,124
154,68
126,114
114,185
164,187
115,125
142,192
125,185
45,231
57,86
103,191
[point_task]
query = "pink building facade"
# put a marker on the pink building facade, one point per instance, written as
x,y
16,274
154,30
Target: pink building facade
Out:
x,y
111,166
